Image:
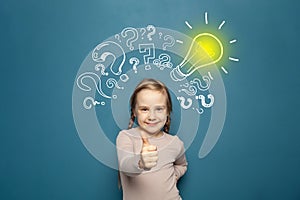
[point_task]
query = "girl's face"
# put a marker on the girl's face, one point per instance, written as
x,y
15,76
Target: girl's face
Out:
x,y
151,111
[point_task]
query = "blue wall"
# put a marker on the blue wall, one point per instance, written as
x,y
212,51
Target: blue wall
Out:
x,y
43,43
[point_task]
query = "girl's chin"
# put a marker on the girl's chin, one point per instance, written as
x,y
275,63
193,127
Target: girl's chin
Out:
x,y
152,129
152,132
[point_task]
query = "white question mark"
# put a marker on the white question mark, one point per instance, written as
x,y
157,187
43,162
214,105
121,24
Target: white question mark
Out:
x,y
183,100
203,102
152,29
94,103
111,82
117,37
165,60
198,83
100,67
103,51
149,53
170,43
131,39
143,31
135,61
192,90
160,34
96,81
199,111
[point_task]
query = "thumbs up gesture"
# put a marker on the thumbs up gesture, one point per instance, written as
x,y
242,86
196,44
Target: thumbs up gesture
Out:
x,y
149,155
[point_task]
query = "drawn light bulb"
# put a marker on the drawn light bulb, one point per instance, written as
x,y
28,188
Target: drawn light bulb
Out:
x,y
205,49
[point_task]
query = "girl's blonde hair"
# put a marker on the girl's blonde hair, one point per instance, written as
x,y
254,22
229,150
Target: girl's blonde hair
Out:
x,y
151,84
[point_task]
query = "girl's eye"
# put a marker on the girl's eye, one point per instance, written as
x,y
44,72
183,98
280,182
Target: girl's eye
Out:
x,y
144,109
160,109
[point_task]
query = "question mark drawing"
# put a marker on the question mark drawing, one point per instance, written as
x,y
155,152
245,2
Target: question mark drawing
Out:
x,y
198,83
93,102
143,31
199,111
95,79
160,34
131,39
118,37
152,30
111,82
163,61
203,101
170,42
105,50
135,61
192,90
100,67
149,53
183,101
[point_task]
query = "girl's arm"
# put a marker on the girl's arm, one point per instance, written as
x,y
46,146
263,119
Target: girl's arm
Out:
x,y
128,160
180,165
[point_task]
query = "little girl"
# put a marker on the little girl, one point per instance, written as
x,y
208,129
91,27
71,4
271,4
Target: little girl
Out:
x,y
150,160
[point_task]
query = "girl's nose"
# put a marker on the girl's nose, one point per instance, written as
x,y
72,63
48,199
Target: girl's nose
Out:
x,y
151,114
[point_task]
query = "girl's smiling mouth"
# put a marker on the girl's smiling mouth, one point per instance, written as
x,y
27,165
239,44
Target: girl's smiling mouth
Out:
x,y
151,123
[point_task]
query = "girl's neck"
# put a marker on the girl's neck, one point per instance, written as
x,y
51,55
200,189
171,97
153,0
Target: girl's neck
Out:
x,y
155,135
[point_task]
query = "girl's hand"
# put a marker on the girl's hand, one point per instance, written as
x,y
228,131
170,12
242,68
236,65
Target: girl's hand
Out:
x,y
149,155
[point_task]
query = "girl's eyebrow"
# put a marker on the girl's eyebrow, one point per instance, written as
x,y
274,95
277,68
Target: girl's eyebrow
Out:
x,y
142,106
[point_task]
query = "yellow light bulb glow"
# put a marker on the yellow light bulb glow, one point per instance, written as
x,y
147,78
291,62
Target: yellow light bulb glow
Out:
x,y
205,49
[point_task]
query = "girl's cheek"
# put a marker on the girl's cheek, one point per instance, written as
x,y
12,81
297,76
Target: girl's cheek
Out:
x,y
163,117
143,117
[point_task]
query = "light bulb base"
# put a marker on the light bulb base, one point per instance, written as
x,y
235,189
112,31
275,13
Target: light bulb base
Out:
x,y
177,75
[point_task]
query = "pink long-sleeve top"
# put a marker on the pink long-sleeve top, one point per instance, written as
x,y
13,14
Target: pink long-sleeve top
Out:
x,y
158,183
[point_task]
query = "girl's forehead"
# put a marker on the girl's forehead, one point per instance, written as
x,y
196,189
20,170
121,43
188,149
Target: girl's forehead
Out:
x,y
148,92
147,95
